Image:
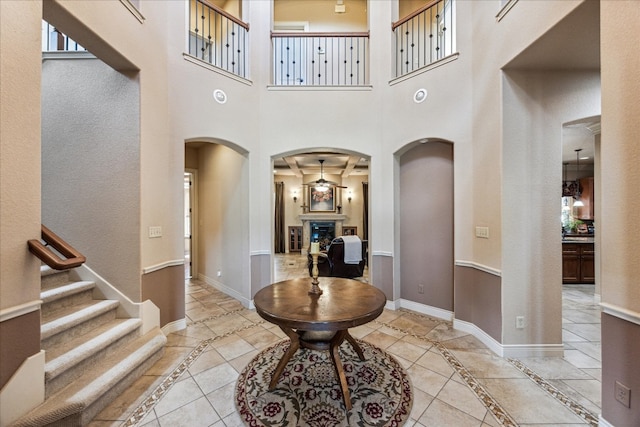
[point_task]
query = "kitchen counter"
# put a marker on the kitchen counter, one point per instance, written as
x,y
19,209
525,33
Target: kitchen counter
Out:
x,y
578,239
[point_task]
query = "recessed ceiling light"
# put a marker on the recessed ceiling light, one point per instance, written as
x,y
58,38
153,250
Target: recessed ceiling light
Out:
x,y
420,96
220,96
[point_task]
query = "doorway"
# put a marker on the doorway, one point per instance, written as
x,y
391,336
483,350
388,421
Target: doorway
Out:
x,y
188,224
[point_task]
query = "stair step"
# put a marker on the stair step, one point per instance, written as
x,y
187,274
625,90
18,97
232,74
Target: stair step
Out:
x,y
50,278
78,403
54,299
75,321
69,360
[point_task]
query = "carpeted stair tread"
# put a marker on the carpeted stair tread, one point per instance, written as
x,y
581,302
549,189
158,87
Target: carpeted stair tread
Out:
x,y
71,316
71,353
54,294
76,403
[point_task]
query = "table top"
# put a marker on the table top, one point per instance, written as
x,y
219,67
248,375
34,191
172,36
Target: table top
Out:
x,y
344,304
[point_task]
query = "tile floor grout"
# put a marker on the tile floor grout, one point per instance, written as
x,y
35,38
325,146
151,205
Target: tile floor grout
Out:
x,y
193,383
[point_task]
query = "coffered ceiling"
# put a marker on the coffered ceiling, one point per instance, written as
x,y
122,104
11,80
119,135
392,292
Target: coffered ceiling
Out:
x,y
340,164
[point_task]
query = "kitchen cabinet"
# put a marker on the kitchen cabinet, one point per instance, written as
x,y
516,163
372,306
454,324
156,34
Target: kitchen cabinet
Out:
x,y
587,198
295,238
578,264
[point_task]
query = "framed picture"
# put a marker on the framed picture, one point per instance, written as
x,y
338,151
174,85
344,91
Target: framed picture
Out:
x,y
348,230
321,201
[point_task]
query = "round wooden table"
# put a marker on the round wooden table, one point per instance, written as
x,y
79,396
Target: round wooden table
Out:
x,y
319,322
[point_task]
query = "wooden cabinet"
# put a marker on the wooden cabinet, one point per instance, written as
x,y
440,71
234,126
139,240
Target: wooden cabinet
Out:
x,y
295,238
587,198
578,263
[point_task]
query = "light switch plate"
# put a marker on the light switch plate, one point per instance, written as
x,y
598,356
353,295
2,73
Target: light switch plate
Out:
x,y
482,232
155,231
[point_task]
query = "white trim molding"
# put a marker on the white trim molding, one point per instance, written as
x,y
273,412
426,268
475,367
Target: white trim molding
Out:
x,y
621,312
604,423
226,290
260,252
381,253
510,350
427,309
175,326
170,263
484,337
481,267
20,310
24,390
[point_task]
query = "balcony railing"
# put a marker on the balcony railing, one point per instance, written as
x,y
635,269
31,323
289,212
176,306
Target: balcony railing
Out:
x,y
424,36
53,40
218,38
320,59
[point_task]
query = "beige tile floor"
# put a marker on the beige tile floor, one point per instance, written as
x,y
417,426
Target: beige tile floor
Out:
x,y
457,381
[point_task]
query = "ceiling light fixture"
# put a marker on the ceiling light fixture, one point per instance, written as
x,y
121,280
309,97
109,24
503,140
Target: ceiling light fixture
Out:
x,y
420,96
219,96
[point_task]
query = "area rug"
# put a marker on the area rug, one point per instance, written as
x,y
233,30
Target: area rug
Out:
x,y
308,392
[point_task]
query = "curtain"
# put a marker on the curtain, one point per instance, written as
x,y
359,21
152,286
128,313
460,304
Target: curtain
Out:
x,y
279,235
365,211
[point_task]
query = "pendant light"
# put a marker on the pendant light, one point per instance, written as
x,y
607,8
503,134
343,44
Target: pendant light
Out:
x,y
576,196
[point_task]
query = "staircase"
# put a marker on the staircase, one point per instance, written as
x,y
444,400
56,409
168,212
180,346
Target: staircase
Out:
x,y
92,356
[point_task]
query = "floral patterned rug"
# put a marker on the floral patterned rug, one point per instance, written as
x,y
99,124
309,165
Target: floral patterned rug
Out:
x,y
308,392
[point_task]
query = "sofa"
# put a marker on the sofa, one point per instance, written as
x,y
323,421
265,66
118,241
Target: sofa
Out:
x,y
331,262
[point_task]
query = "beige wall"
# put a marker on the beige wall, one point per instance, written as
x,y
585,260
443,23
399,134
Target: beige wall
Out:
x,y
321,16
91,118
20,83
620,243
223,223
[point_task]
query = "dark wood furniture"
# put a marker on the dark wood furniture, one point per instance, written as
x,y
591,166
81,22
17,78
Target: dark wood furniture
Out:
x,y
319,322
578,262
331,262
295,238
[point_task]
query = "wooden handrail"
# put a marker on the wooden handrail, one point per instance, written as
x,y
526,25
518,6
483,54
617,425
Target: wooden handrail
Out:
x,y
74,258
225,14
413,14
275,34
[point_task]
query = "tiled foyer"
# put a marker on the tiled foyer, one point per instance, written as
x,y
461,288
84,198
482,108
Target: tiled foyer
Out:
x,y
456,380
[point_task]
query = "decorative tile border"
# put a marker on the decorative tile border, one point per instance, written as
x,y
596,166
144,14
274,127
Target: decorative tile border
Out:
x,y
499,413
159,392
574,406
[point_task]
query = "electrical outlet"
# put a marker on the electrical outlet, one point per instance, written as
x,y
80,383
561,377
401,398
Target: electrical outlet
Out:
x,y
421,289
519,322
623,394
155,231
482,232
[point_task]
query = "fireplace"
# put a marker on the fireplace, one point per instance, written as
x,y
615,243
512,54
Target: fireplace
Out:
x,y
322,232
321,226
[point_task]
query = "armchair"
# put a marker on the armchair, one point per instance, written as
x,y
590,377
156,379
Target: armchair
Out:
x,y
331,263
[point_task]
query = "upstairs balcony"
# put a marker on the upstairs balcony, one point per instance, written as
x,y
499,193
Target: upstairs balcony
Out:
x,y
309,58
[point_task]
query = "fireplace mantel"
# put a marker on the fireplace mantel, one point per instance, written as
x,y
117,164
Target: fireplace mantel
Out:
x,y
308,218
322,217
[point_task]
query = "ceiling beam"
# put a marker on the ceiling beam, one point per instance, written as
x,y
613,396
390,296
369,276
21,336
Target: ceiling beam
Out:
x,y
293,165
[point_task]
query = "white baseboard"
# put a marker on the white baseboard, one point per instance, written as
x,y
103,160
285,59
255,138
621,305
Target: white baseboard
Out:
x,y
148,312
427,309
502,350
24,390
175,326
604,423
226,290
510,350
485,338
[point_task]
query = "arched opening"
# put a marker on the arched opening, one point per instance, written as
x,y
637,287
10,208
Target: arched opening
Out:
x,y
426,226
298,217
219,214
